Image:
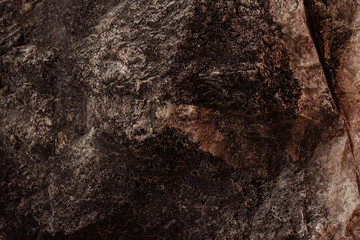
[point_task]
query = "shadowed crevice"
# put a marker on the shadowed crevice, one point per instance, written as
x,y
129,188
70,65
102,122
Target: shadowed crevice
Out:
x,y
311,22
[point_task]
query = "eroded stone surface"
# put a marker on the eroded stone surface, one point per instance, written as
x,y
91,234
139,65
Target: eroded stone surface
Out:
x,y
179,120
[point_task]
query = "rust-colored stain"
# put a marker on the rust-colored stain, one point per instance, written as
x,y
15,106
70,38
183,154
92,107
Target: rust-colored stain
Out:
x,y
199,124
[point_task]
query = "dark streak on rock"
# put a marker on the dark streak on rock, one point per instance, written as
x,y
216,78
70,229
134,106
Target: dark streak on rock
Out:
x,y
329,69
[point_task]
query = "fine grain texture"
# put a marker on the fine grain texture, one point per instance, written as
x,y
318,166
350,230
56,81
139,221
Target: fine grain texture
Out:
x,y
159,119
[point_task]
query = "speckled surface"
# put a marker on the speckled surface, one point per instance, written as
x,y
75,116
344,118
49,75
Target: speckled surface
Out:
x,y
179,119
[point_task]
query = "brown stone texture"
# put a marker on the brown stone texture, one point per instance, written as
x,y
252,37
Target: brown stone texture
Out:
x,y
160,119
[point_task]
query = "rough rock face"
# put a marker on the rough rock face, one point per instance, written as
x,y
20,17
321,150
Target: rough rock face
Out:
x,y
154,119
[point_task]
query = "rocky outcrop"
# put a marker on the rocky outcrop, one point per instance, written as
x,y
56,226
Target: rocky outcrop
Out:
x,y
179,119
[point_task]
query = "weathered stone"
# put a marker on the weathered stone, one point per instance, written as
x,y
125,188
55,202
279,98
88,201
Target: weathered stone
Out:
x,y
180,119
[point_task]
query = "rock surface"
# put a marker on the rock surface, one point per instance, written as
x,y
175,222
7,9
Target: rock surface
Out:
x,y
157,119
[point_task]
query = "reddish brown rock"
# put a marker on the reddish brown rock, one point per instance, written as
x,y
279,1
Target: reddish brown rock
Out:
x,y
179,119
